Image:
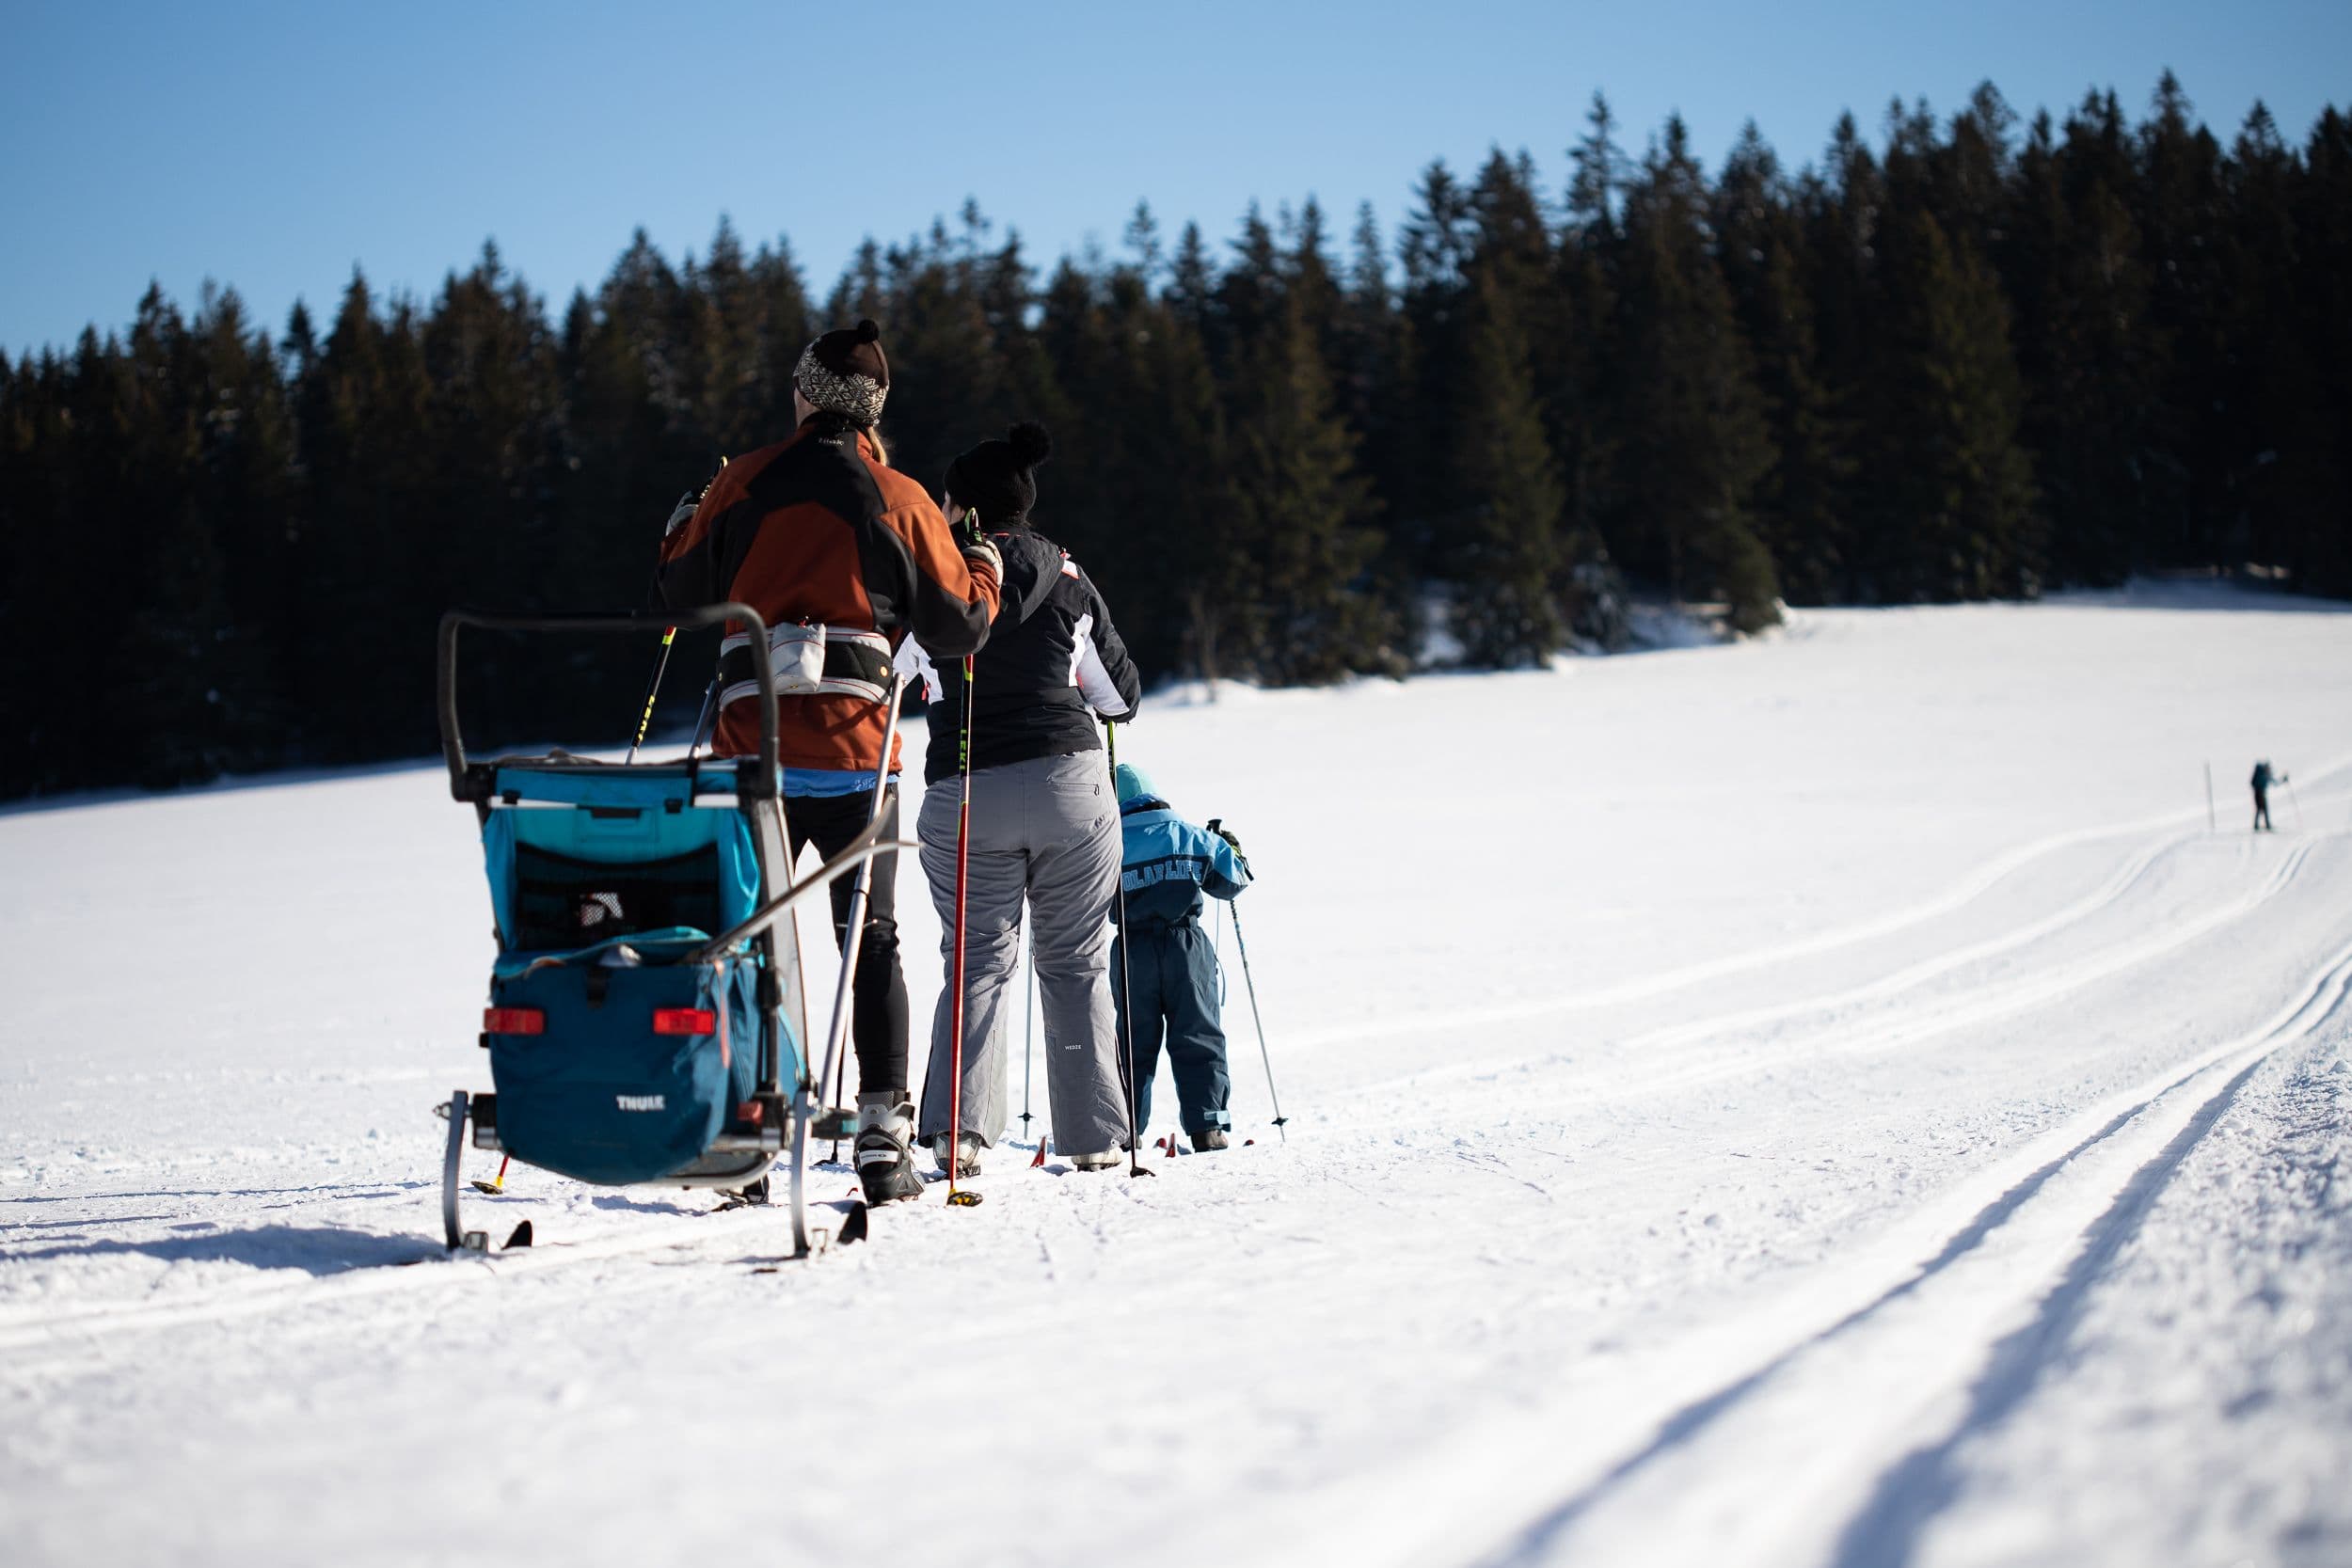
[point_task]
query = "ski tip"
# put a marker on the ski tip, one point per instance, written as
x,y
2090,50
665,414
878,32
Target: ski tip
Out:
x,y
521,1238
853,1228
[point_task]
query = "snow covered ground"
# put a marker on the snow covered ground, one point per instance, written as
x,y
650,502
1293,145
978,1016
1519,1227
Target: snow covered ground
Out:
x,y
1822,1100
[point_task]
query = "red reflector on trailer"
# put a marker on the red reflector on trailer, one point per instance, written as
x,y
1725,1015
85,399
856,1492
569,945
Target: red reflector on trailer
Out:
x,y
514,1020
685,1021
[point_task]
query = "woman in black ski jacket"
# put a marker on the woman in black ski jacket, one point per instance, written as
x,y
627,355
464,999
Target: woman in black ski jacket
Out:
x,y
1044,822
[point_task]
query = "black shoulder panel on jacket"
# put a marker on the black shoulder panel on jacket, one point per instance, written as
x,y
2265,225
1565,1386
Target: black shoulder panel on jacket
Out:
x,y
828,470
1025,678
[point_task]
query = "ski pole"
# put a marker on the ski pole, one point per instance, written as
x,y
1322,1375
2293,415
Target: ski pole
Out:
x,y
1028,1021
2212,826
1259,1018
653,691
852,937
1126,997
494,1188
2293,800
963,863
653,686
710,699
1027,1050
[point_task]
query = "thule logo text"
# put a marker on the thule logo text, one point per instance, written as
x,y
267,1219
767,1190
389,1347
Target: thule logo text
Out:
x,y
641,1101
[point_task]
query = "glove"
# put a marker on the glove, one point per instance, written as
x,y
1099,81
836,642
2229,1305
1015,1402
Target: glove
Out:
x,y
1227,834
686,505
982,549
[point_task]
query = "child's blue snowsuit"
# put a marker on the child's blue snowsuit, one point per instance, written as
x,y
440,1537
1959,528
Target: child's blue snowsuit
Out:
x,y
1170,962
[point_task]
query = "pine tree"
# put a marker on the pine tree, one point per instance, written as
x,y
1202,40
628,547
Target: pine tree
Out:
x,y
244,485
180,661
2322,558
1800,508
2182,217
2085,350
1368,376
1192,280
52,743
1954,503
1510,558
786,328
1698,450
2272,416
366,417
1301,510
1433,249
1844,217
727,359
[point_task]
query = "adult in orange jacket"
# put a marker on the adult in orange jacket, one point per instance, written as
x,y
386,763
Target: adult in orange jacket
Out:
x,y
820,531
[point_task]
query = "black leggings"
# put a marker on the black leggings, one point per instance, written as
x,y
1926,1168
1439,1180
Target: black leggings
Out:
x,y
878,1019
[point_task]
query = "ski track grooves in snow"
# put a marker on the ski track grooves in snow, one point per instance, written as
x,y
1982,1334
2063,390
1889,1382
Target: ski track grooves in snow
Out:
x,y
1620,1082
1958,896
1978,1313
1991,1004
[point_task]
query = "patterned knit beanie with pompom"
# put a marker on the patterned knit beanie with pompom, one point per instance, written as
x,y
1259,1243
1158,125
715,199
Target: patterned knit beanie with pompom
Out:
x,y
846,374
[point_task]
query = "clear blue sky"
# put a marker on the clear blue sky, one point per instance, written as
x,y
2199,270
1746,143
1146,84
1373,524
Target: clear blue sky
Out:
x,y
273,147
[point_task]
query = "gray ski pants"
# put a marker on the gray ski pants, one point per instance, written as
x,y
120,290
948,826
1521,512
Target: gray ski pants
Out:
x,y
1044,832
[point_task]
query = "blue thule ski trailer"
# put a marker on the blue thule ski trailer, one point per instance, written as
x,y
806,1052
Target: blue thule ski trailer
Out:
x,y
640,1022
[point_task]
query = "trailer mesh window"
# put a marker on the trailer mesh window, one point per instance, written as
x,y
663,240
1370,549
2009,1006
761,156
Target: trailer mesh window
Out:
x,y
560,902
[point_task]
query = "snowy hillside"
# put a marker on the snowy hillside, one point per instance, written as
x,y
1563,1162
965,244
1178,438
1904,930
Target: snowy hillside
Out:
x,y
1825,1100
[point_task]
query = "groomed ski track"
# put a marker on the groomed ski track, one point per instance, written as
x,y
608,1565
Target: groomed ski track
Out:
x,y
753,1228
1905,1349
1919,1220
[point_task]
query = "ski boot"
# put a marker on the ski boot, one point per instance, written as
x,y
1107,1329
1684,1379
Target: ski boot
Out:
x,y
1108,1159
1209,1138
967,1153
885,1165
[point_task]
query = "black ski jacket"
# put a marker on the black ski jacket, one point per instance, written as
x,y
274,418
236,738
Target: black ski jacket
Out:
x,y
1052,661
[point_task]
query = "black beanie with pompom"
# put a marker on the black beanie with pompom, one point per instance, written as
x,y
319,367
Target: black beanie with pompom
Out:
x,y
994,477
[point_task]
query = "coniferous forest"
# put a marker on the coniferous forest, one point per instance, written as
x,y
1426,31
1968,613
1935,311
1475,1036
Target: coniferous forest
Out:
x,y
1974,358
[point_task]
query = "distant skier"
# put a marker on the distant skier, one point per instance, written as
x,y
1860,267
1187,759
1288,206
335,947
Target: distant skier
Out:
x,y
2264,778
1169,961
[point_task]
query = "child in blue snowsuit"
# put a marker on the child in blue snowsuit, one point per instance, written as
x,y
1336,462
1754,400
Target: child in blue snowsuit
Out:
x,y
1167,960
